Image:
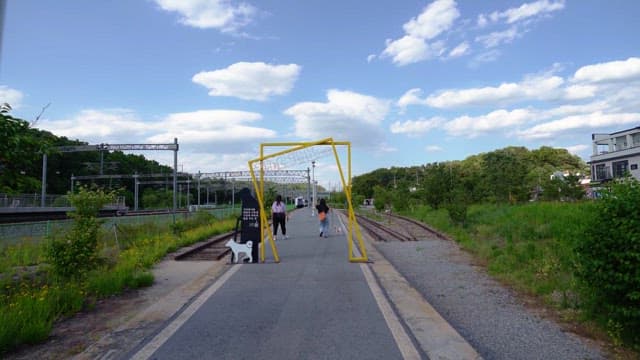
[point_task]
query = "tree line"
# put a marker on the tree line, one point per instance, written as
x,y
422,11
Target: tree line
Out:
x,y
508,175
22,148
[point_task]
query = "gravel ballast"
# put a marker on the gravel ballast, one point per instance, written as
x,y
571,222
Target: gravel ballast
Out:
x,y
489,316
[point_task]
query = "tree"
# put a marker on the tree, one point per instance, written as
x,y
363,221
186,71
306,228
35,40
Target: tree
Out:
x,y
382,198
21,150
438,181
77,253
506,170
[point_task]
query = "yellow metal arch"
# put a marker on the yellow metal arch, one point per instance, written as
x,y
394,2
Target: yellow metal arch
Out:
x,y
296,146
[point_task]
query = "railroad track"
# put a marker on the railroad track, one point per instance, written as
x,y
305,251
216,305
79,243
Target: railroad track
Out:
x,y
381,232
212,249
419,229
397,228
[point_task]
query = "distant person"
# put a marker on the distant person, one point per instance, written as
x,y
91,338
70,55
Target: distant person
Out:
x,y
323,216
279,217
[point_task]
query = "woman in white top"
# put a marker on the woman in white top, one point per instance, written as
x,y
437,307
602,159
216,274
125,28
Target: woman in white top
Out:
x,y
279,216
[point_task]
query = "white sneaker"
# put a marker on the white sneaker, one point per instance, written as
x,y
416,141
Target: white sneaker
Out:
x,y
286,237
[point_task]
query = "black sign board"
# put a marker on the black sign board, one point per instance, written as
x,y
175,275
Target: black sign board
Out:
x,y
250,217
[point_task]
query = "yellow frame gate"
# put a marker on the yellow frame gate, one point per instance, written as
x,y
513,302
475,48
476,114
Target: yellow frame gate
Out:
x,y
259,189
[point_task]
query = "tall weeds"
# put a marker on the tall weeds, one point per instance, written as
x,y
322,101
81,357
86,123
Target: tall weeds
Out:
x,y
30,302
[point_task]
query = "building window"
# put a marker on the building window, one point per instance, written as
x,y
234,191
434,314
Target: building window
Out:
x,y
601,172
636,139
620,168
634,166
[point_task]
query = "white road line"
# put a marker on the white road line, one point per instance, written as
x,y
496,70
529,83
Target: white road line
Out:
x,y
407,349
405,345
168,331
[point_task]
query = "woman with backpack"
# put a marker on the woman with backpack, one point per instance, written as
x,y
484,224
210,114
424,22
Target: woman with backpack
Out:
x,y
323,216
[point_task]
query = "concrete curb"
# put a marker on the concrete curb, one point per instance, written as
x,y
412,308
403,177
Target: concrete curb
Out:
x,y
435,336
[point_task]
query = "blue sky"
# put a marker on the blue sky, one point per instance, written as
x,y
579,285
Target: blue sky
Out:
x,y
406,82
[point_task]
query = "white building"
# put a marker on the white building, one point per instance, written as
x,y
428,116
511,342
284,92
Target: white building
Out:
x,y
615,154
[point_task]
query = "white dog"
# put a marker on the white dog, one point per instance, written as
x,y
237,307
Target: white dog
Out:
x,y
237,249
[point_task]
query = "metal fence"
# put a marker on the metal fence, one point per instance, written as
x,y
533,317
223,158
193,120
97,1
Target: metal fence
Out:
x,y
11,234
34,200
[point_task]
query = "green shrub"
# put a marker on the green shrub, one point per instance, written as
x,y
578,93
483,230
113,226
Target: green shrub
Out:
x,y
77,252
609,259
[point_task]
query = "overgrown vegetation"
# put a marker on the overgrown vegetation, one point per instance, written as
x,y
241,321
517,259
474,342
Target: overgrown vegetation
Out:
x,y
608,261
510,175
523,214
551,250
34,294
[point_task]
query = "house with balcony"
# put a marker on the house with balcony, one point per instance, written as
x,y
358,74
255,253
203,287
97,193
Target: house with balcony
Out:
x,y
615,154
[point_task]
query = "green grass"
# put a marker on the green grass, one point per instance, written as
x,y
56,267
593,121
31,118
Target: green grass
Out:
x,y
532,248
529,246
26,253
30,304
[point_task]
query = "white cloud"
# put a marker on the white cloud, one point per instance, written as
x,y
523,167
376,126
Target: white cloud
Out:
x,y
561,107
577,149
11,96
214,131
415,127
531,88
584,121
461,49
485,57
407,50
520,20
346,114
482,20
249,81
535,87
433,148
371,57
204,161
498,37
224,130
411,97
523,12
101,126
472,126
609,71
577,92
599,81
435,19
571,109
211,14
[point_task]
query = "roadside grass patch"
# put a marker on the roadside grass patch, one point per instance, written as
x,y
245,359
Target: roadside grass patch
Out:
x,y
29,306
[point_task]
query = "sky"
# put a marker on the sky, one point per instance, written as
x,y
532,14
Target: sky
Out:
x,y
406,82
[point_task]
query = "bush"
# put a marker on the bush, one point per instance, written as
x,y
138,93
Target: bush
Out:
x,y
458,207
76,253
609,259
